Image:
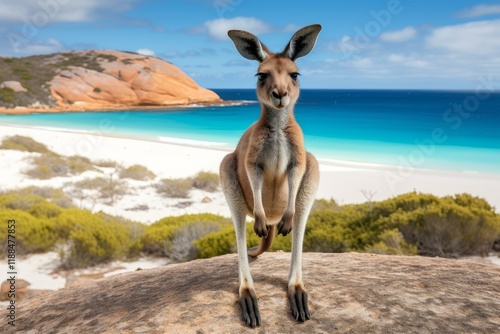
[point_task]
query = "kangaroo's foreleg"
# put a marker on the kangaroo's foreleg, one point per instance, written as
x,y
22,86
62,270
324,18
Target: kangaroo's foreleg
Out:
x,y
295,175
305,199
255,176
234,197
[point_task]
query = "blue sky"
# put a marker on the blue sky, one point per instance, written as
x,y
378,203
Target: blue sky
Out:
x,y
418,44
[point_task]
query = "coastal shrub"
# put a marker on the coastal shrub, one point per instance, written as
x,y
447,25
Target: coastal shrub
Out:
x,y
392,243
47,166
206,181
18,201
177,188
106,163
163,237
32,235
22,143
54,195
7,95
137,172
448,229
91,239
180,247
224,242
78,164
106,188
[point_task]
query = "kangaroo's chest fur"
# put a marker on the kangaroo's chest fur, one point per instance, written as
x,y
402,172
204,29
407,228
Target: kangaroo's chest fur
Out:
x,y
274,146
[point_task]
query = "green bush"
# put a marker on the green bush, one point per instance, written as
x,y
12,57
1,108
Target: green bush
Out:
x,y
78,164
162,237
224,242
48,166
32,235
206,181
178,188
7,95
56,196
92,238
107,187
106,163
392,243
22,143
137,172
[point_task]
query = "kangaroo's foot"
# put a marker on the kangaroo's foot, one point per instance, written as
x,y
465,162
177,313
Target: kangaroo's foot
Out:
x,y
298,302
249,307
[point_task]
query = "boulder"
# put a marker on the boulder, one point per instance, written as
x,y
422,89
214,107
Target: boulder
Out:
x,y
14,85
130,80
348,293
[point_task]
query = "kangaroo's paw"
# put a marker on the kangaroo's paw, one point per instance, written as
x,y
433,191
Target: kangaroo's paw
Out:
x,y
249,308
286,224
260,226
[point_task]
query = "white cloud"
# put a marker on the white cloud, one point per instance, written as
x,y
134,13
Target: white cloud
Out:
x,y
411,61
51,45
146,52
218,28
42,12
399,35
479,10
359,62
476,38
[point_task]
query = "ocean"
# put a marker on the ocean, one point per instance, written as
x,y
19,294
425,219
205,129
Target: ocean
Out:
x,y
447,130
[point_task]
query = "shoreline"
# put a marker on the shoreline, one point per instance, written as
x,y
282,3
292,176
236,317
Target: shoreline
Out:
x,y
76,108
345,181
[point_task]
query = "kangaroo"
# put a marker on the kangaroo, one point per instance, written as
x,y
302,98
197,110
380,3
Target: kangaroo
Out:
x,y
270,176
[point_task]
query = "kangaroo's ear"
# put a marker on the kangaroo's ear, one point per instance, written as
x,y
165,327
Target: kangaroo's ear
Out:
x,y
302,42
248,45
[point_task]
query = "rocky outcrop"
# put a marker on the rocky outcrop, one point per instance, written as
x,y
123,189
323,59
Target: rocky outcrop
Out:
x,y
127,79
14,85
349,293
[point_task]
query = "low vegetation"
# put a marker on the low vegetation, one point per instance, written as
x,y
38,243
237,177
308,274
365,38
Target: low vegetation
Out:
x,y
409,224
22,143
178,188
137,172
49,165
206,181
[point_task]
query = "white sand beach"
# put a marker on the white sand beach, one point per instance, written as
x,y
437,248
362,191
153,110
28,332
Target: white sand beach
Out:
x,y
343,181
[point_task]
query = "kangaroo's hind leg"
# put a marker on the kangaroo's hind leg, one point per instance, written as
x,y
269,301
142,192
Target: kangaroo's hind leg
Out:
x,y
234,197
304,201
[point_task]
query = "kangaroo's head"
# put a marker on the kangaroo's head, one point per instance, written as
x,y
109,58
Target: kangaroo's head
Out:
x,y
277,85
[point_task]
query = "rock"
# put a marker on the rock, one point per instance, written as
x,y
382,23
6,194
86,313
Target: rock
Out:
x,y
14,85
21,290
206,200
130,80
5,288
349,293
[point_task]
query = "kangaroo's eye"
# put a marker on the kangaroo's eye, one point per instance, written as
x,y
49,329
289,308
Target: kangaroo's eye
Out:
x,y
294,76
261,76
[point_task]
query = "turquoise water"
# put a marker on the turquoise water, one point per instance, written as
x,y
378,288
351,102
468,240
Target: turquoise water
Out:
x,y
422,129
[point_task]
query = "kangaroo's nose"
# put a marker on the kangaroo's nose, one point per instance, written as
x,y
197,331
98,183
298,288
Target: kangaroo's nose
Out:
x,y
277,94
